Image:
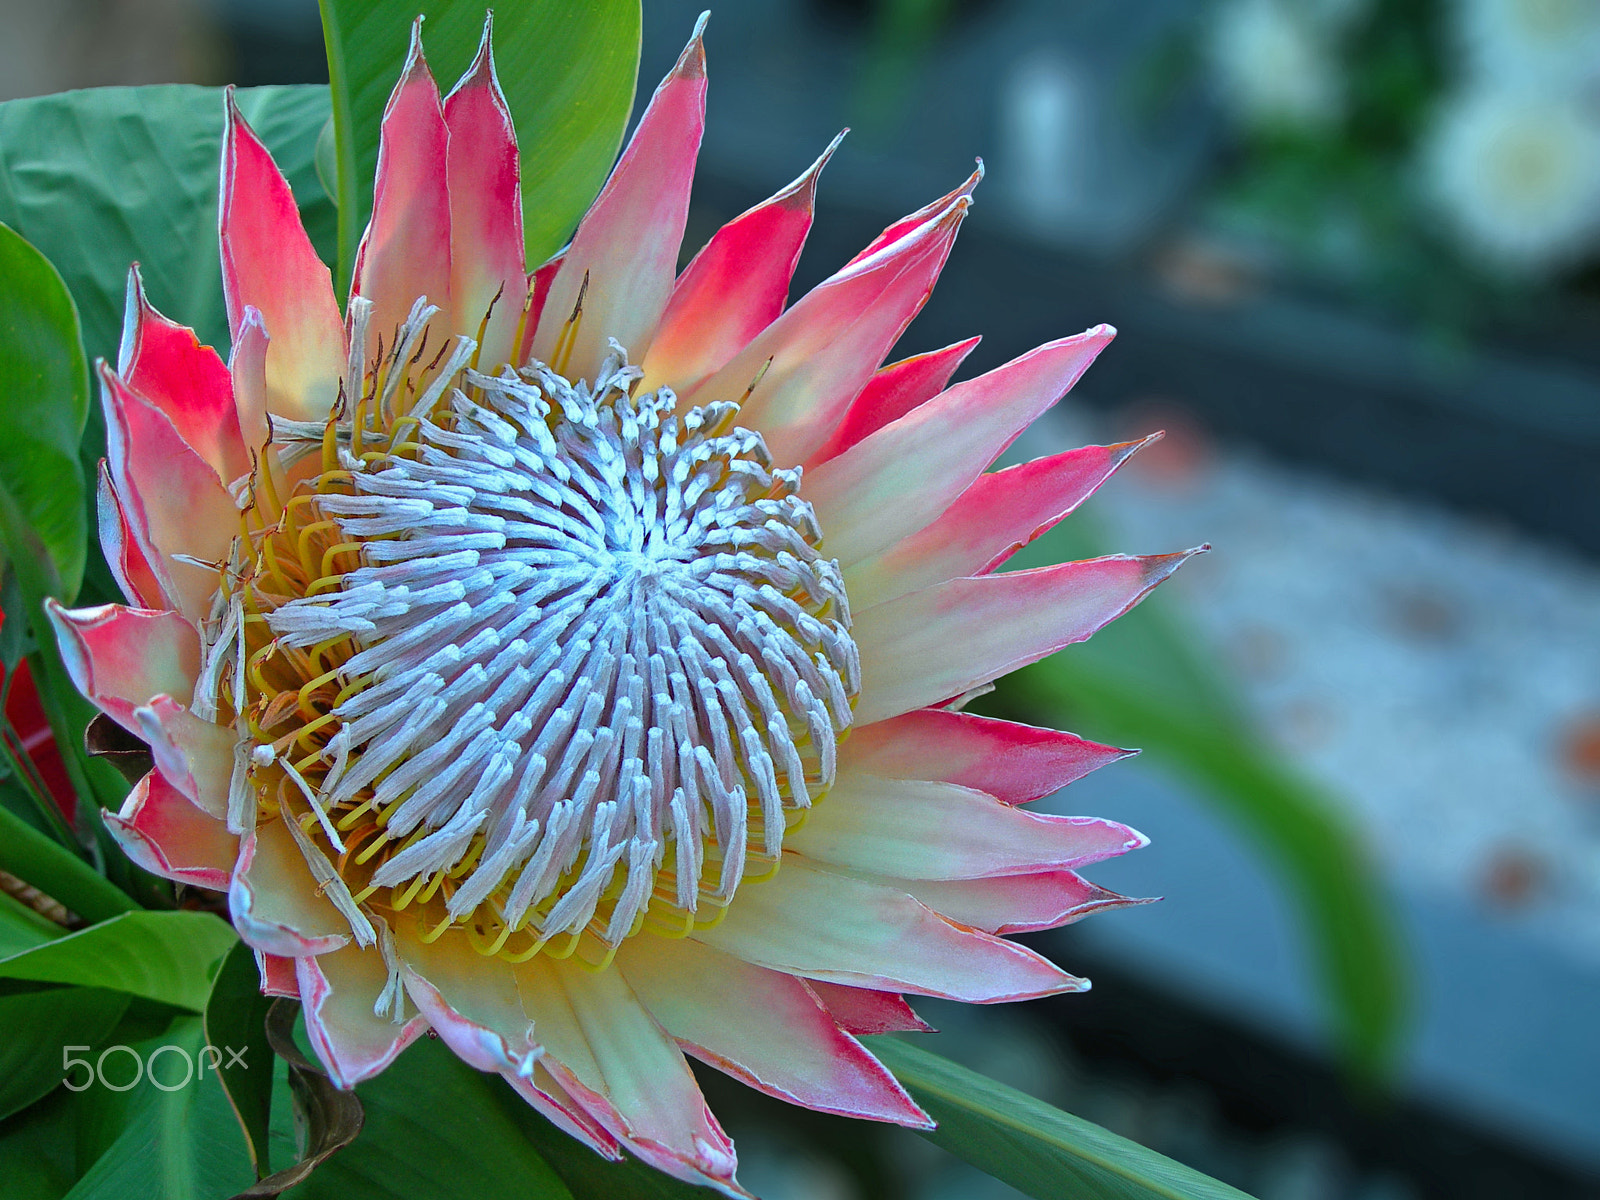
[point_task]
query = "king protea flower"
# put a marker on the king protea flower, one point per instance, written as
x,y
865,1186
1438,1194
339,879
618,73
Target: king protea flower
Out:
x,y
568,662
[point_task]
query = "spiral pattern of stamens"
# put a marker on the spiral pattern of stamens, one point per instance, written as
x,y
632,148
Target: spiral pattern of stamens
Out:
x,y
589,664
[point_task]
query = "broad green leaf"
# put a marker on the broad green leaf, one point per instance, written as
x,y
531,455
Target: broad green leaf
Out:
x,y
435,1127
166,956
38,1153
177,1144
102,178
1142,682
99,179
57,871
236,1018
44,401
1032,1146
568,70
37,1025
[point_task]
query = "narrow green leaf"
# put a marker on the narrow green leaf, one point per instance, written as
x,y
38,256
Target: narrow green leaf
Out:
x,y
1032,1146
22,929
179,1140
44,401
1142,681
166,956
57,871
435,1128
236,1022
37,1026
568,71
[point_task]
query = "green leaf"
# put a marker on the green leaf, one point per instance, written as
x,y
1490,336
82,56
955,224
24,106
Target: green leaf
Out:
x,y
178,1144
44,401
435,1127
326,161
165,956
568,71
38,1024
236,1021
22,929
57,871
1142,681
1032,1146
38,1151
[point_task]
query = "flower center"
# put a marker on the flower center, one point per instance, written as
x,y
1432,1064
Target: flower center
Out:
x,y
547,661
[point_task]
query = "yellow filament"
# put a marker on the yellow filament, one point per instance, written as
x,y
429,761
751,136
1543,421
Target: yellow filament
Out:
x,y
342,548
399,900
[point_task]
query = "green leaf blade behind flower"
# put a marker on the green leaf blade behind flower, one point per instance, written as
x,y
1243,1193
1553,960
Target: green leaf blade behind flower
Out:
x,y
56,871
568,71
1032,1146
44,401
102,178
1144,681
22,929
170,957
435,1127
235,1017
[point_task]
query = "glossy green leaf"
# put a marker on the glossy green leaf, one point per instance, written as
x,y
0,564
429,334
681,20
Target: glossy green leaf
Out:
x,y
166,956
1032,1146
44,400
236,1017
435,1127
1142,682
103,178
568,70
37,1025
57,871
178,1139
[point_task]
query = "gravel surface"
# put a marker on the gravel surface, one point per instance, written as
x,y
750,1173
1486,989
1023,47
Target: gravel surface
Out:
x,y
1439,674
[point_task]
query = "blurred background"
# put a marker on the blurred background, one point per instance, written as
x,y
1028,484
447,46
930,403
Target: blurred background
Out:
x,y
1353,249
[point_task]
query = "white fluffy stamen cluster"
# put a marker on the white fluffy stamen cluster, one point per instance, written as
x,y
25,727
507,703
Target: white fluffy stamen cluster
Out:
x,y
592,630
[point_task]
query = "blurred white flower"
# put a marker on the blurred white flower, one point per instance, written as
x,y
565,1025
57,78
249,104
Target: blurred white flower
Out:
x,y
1552,45
1517,172
1275,63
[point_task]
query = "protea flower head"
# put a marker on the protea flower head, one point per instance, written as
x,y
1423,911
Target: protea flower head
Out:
x,y
567,661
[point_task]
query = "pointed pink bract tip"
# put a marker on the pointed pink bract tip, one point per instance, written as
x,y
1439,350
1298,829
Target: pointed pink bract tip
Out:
x,y
691,63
